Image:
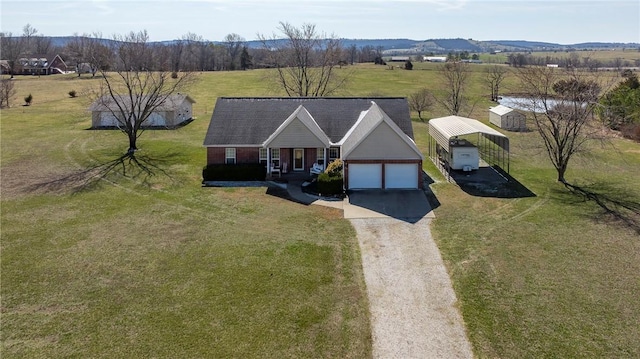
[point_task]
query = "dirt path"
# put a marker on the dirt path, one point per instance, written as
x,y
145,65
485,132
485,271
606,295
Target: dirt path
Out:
x,y
413,306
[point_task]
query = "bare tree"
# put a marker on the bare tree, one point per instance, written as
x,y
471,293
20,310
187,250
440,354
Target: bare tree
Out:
x,y
305,60
134,91
494,75
234,44
421,101
454,77
6,92
195,53
28,33
12,49
88,51
562,104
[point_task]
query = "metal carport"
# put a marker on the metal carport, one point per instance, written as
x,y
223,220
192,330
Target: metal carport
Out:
x,y
491,144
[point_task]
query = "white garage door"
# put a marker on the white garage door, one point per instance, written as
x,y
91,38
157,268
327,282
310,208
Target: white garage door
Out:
x,y
401,175
365,175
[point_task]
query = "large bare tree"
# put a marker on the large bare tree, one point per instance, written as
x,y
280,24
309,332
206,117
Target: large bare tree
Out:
x,y
494,75
305,60
133,90
454,76
561,103
420,101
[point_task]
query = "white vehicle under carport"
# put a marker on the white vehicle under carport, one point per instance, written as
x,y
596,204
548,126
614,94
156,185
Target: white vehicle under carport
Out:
x,y
462,155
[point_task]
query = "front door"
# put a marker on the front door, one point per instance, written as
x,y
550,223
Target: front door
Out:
x,y
298,159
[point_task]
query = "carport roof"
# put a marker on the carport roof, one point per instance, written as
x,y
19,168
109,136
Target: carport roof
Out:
x,y
444,128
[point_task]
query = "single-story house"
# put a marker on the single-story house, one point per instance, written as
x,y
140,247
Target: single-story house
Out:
x,y
176,110
507,118
40,65
372,136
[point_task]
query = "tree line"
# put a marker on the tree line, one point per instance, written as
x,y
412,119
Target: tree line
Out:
x,y
89,53
574,60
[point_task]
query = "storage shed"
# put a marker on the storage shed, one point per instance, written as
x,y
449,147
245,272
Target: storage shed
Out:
x,y
507,118
450,151
175,111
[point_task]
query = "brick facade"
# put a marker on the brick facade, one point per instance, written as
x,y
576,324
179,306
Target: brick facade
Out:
x,y
216,155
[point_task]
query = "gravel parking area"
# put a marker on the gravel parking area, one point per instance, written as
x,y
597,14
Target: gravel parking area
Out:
x,y
413,305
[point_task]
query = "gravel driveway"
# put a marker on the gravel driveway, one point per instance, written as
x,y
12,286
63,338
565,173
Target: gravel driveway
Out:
x,y
413,306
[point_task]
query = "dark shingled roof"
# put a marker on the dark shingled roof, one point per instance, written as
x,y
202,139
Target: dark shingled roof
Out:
x,y
251,120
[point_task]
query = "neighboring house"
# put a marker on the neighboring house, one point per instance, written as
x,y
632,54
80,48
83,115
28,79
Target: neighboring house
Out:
x,y
177,110
372,136
40,65
507,118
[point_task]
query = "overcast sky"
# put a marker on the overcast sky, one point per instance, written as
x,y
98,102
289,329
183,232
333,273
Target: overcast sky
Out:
x,y
564,22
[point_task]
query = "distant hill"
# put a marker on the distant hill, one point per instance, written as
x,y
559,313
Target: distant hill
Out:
x,y
436,46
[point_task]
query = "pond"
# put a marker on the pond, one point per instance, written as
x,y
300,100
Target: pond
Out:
x,y
525,103
529,103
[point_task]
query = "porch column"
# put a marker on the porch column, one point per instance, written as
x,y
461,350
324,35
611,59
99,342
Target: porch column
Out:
x,y
324,156
268,160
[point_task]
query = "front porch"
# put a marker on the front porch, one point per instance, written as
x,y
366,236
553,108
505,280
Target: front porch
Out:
x,y
288,177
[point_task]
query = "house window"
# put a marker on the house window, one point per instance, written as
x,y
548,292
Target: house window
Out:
x,y
263,156
275,157
320,156
230,156
334,153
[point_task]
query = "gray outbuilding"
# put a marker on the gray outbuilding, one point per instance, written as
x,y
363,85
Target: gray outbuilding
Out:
x,y
507,118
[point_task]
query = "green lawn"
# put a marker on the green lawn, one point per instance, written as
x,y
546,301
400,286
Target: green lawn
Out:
x,y
157,266
139,266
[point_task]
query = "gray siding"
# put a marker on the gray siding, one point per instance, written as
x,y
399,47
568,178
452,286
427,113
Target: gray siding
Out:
x,y
296,134
383,143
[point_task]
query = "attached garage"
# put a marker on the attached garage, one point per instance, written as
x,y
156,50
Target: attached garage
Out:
x,y
378,154
365,175
401,175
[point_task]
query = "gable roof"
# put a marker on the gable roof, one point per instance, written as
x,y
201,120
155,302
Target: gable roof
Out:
x,y
444,128
106,102
39,61
250,121
307,120
501,110
367,123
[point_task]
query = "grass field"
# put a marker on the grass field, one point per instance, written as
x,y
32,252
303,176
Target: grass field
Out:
x,y
139,266
158,266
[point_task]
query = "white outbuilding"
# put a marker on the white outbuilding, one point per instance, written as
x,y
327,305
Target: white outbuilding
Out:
x,y
175,111
507,118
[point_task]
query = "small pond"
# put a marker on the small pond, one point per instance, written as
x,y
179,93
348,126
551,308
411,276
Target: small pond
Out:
x,y
526,103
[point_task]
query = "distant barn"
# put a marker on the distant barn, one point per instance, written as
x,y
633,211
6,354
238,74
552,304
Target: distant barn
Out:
x,y
507,118
435,58
399,58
